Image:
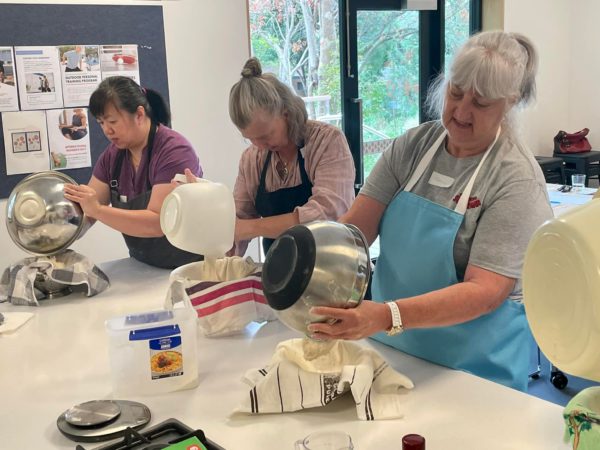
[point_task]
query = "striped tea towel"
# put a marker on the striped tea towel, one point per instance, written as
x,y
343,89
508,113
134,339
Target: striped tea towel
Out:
x,y
308,374
226,294
70,268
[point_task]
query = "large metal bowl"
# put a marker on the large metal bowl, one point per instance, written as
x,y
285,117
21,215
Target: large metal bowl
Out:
x,y
320,263
40,220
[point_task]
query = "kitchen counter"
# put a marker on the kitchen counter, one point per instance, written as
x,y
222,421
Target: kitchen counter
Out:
x,y
60,358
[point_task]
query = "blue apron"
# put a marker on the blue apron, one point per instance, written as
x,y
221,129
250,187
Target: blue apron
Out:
x,y
417,241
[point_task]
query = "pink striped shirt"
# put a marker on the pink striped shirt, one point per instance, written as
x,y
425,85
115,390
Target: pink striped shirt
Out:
x,y
328,163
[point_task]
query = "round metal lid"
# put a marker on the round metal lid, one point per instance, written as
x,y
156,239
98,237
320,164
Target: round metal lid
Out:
x,y
92,413
132,415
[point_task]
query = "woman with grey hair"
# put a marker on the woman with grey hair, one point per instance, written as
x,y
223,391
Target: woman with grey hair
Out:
x,y
446,201
296,170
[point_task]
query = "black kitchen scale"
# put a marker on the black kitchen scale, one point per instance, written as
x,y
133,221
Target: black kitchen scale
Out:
x,y
101,420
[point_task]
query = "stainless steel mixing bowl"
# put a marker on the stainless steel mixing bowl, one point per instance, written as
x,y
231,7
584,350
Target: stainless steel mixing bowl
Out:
x,y
39,218
320,263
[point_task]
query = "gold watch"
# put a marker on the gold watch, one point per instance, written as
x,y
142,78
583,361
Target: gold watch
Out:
x,y
397,327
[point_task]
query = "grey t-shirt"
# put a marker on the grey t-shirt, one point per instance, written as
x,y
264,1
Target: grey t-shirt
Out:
x,y
509,200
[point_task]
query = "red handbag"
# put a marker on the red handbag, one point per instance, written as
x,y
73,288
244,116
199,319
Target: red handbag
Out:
x,y
572,142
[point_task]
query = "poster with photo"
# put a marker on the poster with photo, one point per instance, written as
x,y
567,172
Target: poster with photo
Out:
x,y
38,71
80,71
120,60
25,142
68,138
9,98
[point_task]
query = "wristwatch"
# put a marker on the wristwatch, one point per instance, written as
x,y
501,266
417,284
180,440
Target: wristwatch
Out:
x,y
397,327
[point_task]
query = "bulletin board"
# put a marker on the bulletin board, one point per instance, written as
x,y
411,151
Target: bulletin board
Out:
x,y
49,25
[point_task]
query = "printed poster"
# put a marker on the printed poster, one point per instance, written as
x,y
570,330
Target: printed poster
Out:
x,y
80,71
68,138
25,141
120,60
38,71
9,98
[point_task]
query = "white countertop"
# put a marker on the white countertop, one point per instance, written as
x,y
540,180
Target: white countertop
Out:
x,y
60,358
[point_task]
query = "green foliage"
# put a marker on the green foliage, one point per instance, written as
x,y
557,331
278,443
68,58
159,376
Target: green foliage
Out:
x,y
388,58
329,83
264,52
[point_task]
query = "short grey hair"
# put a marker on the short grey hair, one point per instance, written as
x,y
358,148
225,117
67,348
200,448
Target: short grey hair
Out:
x,y
257,91
494,64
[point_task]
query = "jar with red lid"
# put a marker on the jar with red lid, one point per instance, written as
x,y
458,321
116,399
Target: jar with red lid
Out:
x,y
413,442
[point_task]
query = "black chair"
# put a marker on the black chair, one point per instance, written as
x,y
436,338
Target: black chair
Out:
x,y
553,168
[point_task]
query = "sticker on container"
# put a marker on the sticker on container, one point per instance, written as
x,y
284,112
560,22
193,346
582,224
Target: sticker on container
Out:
x,y
192,443
166,359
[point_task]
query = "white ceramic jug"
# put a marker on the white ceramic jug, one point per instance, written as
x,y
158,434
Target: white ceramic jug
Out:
x,y
200,218
561,290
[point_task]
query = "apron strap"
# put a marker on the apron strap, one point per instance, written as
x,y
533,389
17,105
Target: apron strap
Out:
x,y
462,204
116,173
424,163
303,173
263,173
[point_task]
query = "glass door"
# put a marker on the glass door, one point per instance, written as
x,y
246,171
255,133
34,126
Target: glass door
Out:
x,y
389,56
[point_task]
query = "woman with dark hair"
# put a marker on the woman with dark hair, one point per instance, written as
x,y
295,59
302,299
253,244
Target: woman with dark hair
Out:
x,y
133,175
296,170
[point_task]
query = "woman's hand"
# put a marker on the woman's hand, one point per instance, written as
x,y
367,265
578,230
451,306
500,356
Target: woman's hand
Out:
x,y
363,321
85,196
189,178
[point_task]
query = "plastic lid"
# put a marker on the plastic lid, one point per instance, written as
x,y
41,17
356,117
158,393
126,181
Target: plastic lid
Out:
x,y
413,442
288,267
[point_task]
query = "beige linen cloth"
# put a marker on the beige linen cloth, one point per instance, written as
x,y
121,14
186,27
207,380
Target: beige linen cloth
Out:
x,y
308,374
226,294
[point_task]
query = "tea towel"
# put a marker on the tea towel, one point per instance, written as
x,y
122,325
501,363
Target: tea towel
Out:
x,y
226,294
307,374
17,284
582,420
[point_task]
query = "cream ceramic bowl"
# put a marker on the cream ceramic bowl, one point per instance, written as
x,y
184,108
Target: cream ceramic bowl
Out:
x,y
200,218
561,290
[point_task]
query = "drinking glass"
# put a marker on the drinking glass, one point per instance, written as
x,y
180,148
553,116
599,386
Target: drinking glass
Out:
x,y
325,440
578,181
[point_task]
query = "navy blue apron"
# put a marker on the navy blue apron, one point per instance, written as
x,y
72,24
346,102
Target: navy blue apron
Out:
x,y
284,200
156,251
417,241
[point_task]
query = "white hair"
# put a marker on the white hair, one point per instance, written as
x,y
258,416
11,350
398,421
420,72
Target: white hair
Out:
x,y
495,65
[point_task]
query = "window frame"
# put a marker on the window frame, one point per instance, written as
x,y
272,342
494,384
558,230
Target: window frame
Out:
x,y
431,62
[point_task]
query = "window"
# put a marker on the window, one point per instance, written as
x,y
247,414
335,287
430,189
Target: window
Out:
x,y
299,41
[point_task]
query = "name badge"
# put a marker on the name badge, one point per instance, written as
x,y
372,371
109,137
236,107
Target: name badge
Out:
x,y
122,198
440,180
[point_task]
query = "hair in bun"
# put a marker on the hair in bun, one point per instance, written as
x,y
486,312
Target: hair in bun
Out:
x,y
252,68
